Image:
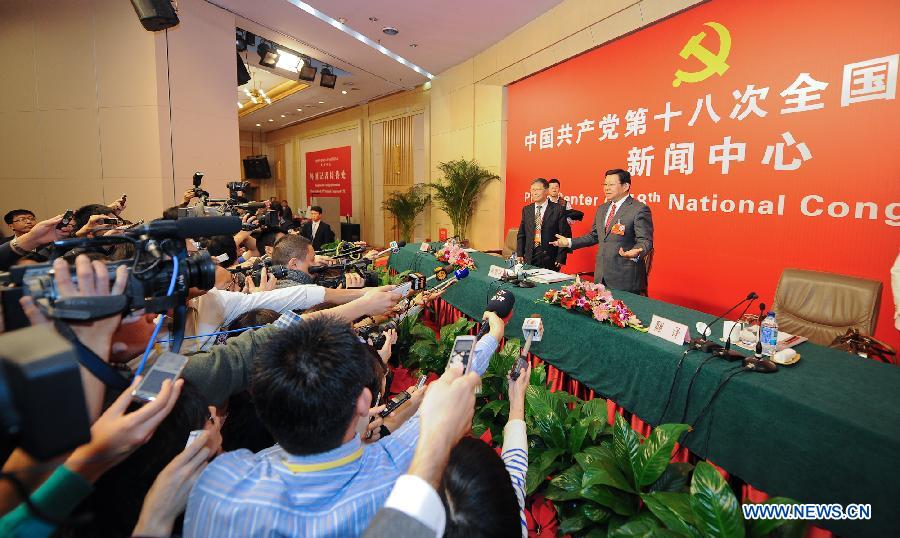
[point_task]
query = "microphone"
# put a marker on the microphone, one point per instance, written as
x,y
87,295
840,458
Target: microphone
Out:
x,y
189,227
440,273
702,343
395,247
726,352
759,353
501,304
458,275
533,331
316,269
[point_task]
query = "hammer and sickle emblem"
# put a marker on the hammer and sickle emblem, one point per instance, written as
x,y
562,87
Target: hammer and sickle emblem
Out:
x,y
715,63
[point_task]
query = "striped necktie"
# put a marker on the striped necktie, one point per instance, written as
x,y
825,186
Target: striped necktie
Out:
x,y
537,225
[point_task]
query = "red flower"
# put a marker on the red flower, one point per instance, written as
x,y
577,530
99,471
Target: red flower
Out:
x,y
567,302
541,518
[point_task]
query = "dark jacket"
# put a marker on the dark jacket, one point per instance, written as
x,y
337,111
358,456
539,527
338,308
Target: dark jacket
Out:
x,y
324,234
553,222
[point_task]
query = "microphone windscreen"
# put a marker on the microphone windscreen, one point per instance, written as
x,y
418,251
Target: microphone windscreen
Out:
x,y
752,295
401,244
461,273
502,303
206,226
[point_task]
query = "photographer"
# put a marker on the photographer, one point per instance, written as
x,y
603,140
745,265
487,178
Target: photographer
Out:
x,y
296,254
30,243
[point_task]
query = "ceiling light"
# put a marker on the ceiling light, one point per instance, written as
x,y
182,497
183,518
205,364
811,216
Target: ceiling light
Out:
x,y
283,116
307,71
342,20
288,61
347,30
321,102
268,56
259,124
299,110
240,105
328,78
270,119
390,30
265,97
413,45
344,92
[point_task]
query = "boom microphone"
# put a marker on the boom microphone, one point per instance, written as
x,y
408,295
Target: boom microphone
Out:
x,y
189,227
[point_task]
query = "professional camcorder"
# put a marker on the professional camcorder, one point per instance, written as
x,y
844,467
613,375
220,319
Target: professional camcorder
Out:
x,y
234,205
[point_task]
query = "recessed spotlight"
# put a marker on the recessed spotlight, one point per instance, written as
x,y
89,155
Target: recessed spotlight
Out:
x,y
348,84
299,110
259,125
321,102
342,20
270,119
344,92
283,116
373,19
390,30
413,45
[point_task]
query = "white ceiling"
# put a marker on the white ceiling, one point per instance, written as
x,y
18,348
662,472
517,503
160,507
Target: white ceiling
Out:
x,y
446,34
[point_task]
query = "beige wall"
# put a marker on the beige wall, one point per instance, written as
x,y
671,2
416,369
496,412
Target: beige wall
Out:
x,y
85,113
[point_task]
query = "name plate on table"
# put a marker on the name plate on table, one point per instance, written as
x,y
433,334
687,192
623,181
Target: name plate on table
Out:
x,y
667,329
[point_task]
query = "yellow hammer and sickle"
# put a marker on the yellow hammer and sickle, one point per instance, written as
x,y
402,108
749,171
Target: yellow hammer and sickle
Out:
x,y
715,63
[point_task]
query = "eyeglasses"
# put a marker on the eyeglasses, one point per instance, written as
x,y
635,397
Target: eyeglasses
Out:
x,y
24,219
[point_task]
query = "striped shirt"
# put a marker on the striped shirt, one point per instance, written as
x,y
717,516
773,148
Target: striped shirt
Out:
x,y
337,494
515,457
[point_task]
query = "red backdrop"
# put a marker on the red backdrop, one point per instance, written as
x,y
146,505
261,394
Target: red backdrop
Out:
x,y
328,174
825,157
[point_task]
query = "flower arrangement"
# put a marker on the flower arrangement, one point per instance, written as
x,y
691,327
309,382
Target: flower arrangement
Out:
x,y
593,299
453,254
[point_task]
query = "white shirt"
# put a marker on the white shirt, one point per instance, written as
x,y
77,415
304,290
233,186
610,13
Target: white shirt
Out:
x,y
315,228
218,308
417,499
543,207
614,207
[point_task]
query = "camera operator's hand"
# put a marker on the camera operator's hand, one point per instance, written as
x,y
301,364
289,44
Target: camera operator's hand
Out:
x,y
517,394
407,410
267,282
426,297
377,301
389,341
373,429
94,224
168,495
354,281
118,206
187,197
446,415
43,232
116,434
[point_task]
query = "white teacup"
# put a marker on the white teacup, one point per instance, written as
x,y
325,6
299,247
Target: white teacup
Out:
x,y
732,330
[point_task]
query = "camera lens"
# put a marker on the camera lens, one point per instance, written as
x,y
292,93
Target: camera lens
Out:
x,y
200,272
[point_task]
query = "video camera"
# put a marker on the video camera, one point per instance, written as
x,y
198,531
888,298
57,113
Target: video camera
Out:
x,y
332,276
160,276
42,407
376,333
219,207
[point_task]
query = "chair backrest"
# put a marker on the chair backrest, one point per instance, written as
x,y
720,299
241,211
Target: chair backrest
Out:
x,y
822,306
510,245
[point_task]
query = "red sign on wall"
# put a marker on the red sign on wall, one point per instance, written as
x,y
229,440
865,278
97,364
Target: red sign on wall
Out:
x,y
328,174
756,147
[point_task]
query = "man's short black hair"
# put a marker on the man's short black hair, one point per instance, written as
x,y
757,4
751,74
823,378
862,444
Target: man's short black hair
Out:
x,y
8,218
552,181
223,244
84,213
290,246
305,383
266,238
317,208
171,213
542,181
624,176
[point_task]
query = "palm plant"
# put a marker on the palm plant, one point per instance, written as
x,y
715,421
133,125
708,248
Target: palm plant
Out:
x,y
456,195
406,206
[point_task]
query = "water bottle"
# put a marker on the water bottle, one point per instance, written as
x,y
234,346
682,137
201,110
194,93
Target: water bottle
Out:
x,y
768,334
512,261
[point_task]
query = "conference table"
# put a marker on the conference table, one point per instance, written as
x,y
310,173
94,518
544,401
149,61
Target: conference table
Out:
x,y
826,430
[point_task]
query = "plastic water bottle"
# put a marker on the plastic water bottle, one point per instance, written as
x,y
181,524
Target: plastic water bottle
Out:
x,y
512,261
768,334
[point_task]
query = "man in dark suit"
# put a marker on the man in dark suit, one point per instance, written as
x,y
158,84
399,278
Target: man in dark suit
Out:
x,y
624,229
542,220
320,233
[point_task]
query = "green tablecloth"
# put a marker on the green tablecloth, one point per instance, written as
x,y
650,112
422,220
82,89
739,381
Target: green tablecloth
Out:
x,y
824,431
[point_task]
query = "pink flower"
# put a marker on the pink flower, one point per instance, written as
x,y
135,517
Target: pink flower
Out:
x,y
600,313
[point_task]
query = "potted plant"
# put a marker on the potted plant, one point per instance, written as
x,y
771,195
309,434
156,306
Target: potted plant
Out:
x,y
406,206
463,183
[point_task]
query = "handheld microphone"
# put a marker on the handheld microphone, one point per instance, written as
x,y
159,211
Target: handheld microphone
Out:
x,y
702,342
441,273
501,304
393,249
458,275
726,352
533,330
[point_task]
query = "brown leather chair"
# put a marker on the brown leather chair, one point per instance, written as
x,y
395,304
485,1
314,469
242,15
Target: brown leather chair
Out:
x,y
509,246
822,306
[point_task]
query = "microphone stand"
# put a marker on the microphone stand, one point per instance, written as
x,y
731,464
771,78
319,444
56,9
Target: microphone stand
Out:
x,y
726,352
702,342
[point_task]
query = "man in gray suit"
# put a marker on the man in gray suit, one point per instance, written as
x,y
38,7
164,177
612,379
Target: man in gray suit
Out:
x,y
624,229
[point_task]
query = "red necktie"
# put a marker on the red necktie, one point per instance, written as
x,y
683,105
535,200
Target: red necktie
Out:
x,y
612,213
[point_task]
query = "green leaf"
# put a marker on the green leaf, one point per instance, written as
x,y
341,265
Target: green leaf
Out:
x,y
674,510
572,523
626,445
620,502
541,410
480,425
655,453
716,510
566,486
595,513
577,433
765,527
639,528
422,331
597,532
675,478
496,407
600,468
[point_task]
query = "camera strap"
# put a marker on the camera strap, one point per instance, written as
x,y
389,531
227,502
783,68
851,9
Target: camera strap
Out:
x,y
94,364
